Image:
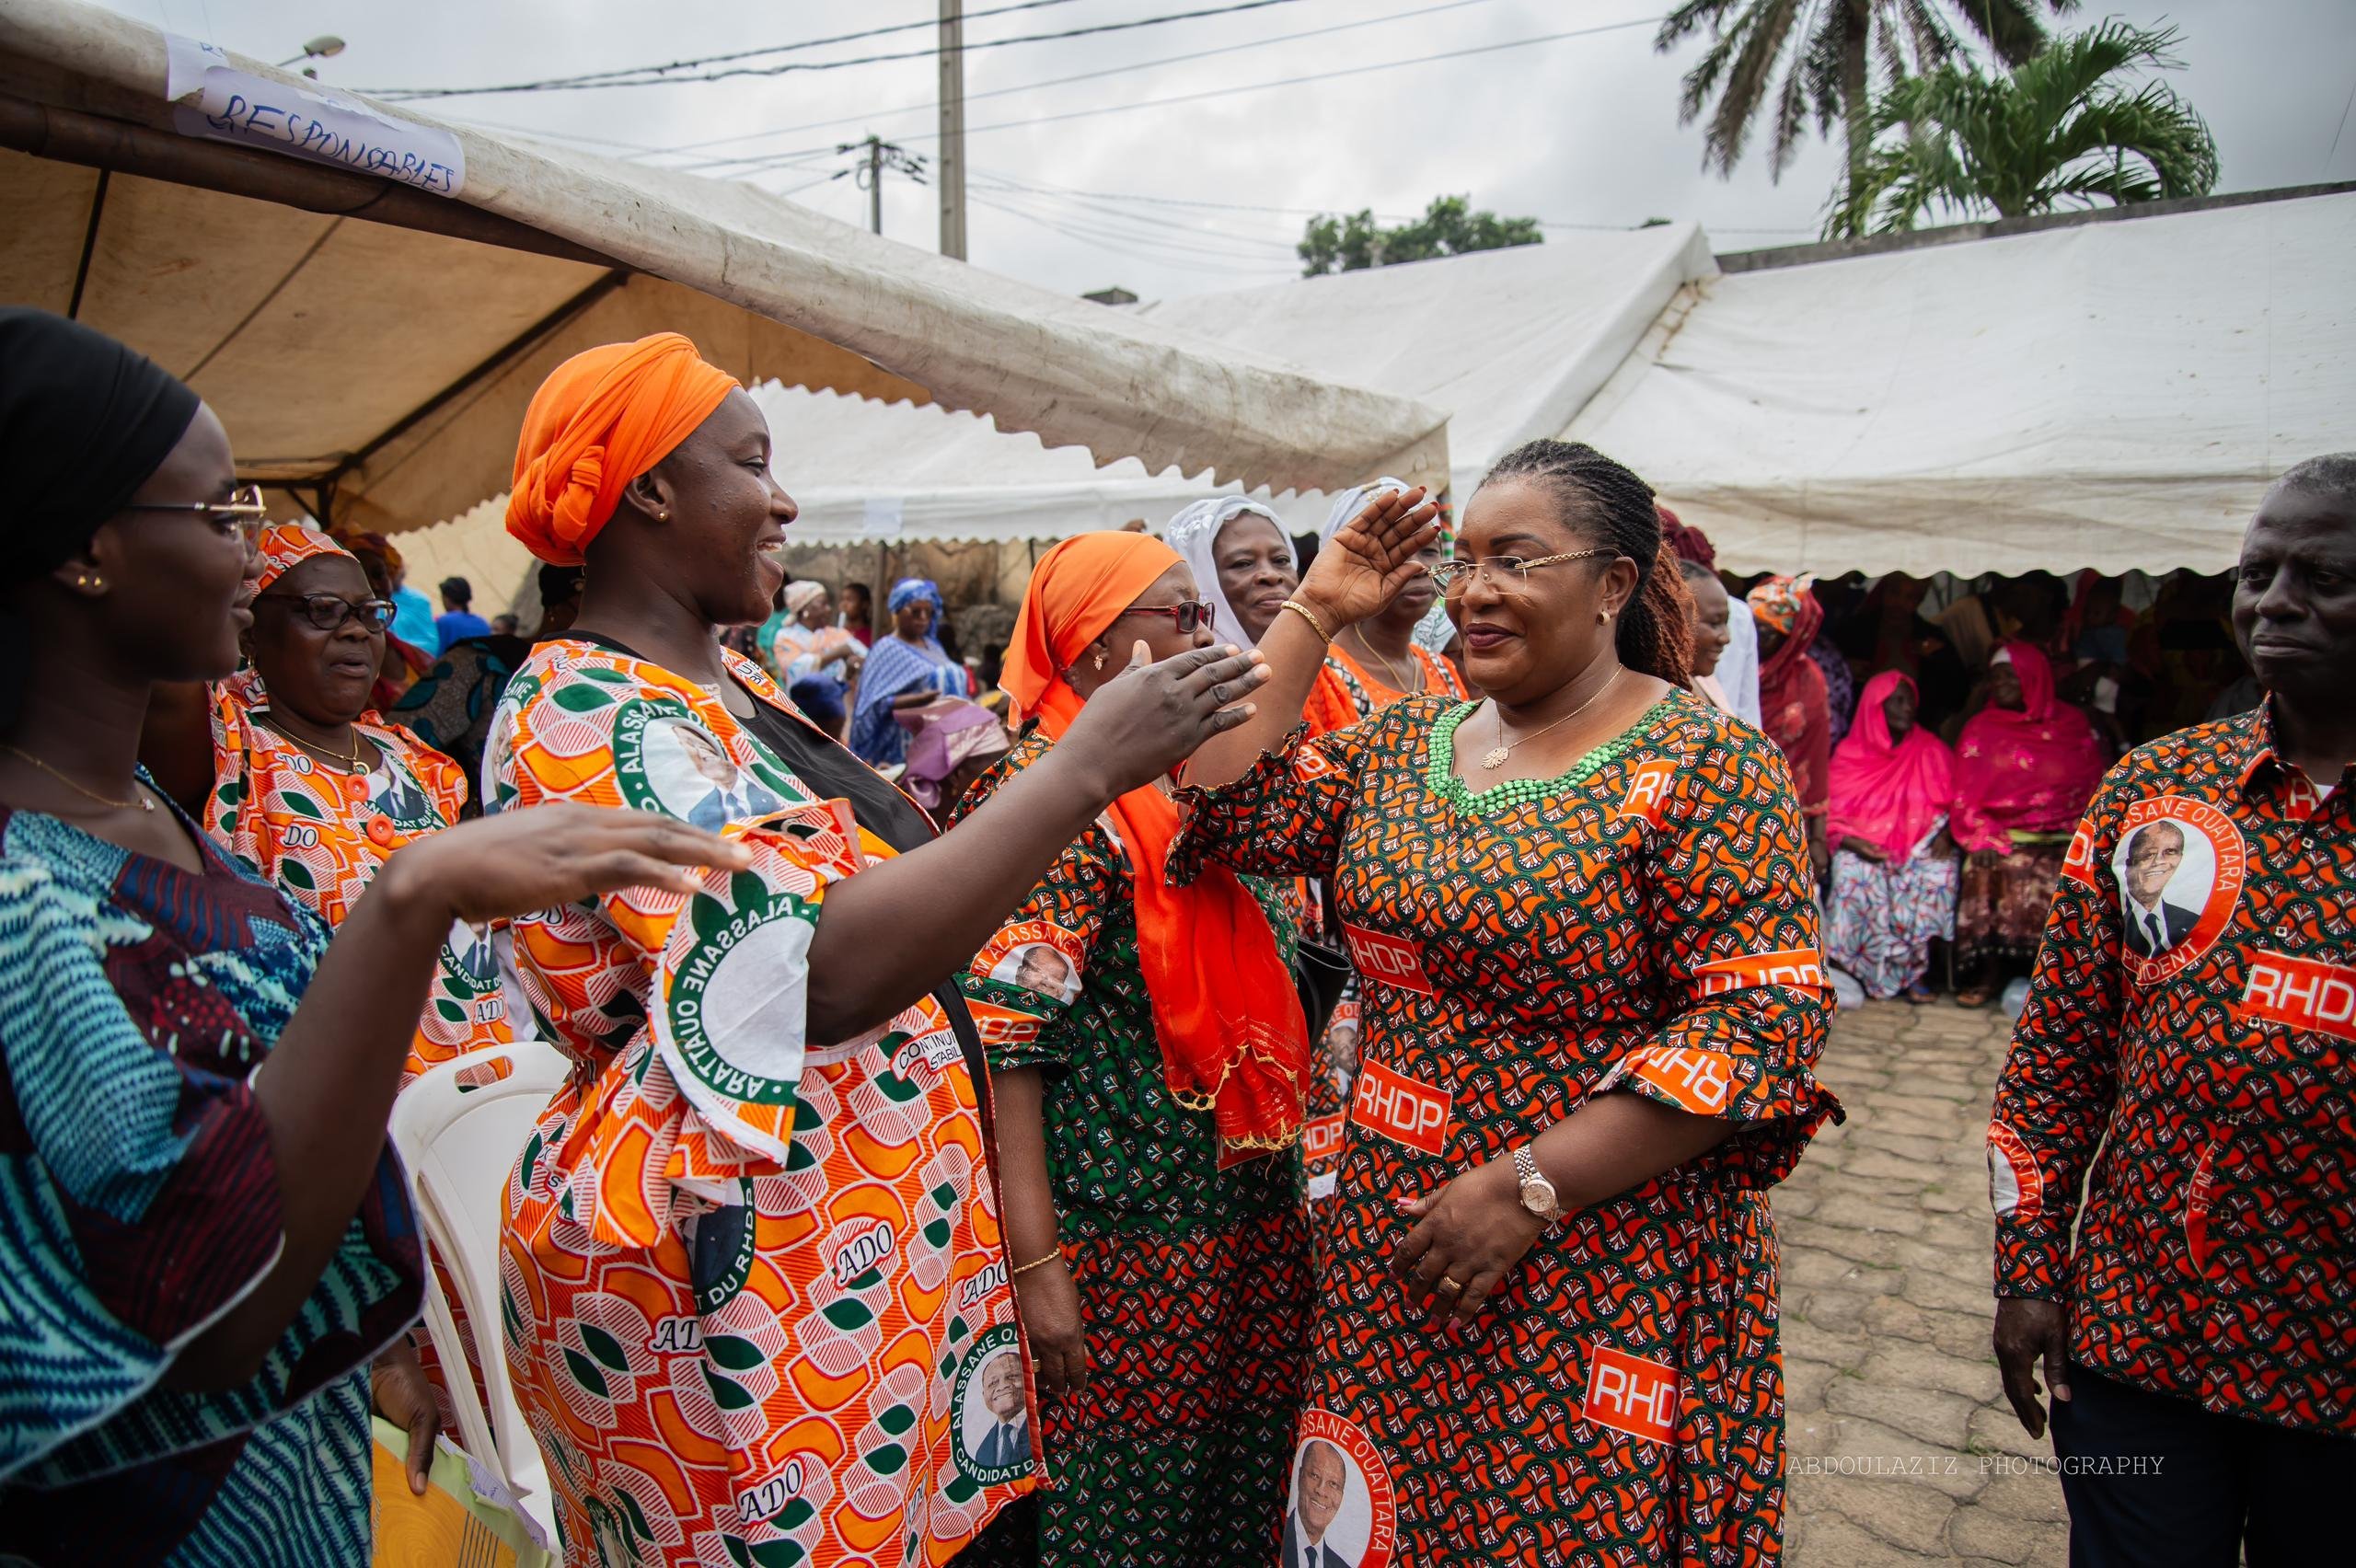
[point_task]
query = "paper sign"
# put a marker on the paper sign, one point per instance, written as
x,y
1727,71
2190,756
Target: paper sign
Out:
x,y
214,99
880,518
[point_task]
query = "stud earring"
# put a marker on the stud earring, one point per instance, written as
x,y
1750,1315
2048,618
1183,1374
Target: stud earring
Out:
x,y
1100,658
1602,617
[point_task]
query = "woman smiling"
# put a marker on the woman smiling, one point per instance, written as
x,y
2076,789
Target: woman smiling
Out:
x,y
1592,1003
753,1249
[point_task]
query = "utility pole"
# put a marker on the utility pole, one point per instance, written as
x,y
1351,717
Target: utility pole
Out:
x,y
880,155
874,182
953,129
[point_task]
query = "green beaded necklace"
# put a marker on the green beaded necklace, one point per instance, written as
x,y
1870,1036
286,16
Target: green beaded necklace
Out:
x,y
1439,773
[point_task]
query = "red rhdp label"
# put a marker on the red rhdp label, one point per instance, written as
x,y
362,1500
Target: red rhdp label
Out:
x,y
1402,1110
1630,1394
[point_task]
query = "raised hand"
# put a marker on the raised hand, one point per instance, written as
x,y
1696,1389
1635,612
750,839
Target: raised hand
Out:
x,y
538,858
1362,568
1150,717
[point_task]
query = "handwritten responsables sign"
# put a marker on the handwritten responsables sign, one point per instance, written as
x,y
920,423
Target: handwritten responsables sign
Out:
x,y
212,98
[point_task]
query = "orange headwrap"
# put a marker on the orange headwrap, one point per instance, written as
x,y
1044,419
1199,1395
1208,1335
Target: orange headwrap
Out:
x,y
287,544
1232,1037
600,419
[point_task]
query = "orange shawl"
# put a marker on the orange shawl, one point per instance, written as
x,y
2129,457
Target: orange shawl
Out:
x,y
600,419
1228,1019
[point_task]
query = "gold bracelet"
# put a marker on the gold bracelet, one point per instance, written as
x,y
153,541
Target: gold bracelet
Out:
x,y
1020,1269
1296,608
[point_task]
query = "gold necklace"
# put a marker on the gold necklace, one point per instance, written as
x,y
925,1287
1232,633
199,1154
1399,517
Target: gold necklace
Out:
x,y
350,764
142,802
1397,684
1495,757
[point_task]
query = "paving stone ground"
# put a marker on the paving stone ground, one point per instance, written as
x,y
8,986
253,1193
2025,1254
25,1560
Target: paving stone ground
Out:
x,y
1901,1448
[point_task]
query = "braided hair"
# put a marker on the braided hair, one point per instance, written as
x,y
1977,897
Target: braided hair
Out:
x,y
1598,499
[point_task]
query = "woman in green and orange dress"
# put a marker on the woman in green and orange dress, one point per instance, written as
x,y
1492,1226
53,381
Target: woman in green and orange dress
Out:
x,y
1582,916
1148,1059
1368,667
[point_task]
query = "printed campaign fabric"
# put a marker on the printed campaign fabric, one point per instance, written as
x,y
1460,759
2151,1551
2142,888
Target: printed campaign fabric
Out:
x,y
1648,924
323,836
2193,1018
755,1292
1346,693
139,1202
1192,1266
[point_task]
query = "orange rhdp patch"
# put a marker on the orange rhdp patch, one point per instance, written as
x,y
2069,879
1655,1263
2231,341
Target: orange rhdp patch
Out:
x,y
1695,1079
1649,791
2301,993
1630,1394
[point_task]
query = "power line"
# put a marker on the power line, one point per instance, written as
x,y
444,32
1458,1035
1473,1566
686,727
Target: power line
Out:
x,y
1128,251
615,79
1257,86
592,78
1105,213
1162,236
1158,61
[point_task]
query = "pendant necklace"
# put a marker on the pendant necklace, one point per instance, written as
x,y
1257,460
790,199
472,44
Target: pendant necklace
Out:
x,y
1497,755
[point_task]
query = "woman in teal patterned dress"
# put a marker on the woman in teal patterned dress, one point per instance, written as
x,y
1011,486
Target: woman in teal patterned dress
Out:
x,y
203,1240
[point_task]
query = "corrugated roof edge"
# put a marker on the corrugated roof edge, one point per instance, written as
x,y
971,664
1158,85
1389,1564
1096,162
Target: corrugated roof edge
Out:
x,y
1959,234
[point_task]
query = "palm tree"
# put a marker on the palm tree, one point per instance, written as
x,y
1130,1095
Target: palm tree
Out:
x,y
1831,46
2057,129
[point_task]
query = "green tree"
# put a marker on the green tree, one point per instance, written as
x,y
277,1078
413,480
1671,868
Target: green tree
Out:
x,y
1826,51
2059,129
1448,227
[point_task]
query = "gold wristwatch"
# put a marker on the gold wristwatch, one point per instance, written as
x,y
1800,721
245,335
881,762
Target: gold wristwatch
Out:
x,y
1537,1193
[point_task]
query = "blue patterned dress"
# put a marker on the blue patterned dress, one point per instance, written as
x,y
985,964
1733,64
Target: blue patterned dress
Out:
x,y
139,1203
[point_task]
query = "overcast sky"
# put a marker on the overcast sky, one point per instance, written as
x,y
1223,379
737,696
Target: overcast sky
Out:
x,y
1581,131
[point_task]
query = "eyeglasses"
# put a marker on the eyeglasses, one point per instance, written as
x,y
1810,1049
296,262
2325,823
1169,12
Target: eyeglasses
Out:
x,y
327,612
1191,617
244,511
1508,572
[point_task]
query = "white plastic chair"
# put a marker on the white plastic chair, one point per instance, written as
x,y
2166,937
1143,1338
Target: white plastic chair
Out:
x,y
459,1143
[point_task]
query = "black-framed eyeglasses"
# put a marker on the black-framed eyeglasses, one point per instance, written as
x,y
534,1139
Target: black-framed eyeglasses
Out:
x,y
327,612
1509,573
244,511
1191,617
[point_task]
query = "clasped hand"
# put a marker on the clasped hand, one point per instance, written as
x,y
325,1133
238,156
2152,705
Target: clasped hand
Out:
x,y
1471,1231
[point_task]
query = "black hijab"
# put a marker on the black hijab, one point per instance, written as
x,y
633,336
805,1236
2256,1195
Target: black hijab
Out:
x,y
84,422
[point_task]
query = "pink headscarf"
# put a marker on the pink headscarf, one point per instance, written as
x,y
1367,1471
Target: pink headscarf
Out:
x,y
2029,770
1888,794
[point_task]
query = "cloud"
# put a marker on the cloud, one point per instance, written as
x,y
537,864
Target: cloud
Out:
x,y
1581,131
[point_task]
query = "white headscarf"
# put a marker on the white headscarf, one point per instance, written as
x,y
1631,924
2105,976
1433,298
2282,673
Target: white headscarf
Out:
x,y
1435,630
1350,502
1193,534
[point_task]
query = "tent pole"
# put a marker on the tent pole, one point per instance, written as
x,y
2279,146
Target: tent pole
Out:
x,y
89,244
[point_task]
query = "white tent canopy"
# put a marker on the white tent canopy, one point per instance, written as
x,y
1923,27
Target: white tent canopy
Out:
x,y
1508,343
371,343
2111,394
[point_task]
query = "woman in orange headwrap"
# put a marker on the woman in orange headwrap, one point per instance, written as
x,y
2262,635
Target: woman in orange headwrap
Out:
x,y
1151,1064
760,1298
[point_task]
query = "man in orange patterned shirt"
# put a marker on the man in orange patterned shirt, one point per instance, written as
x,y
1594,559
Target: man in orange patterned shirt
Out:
x,y
2200,1338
